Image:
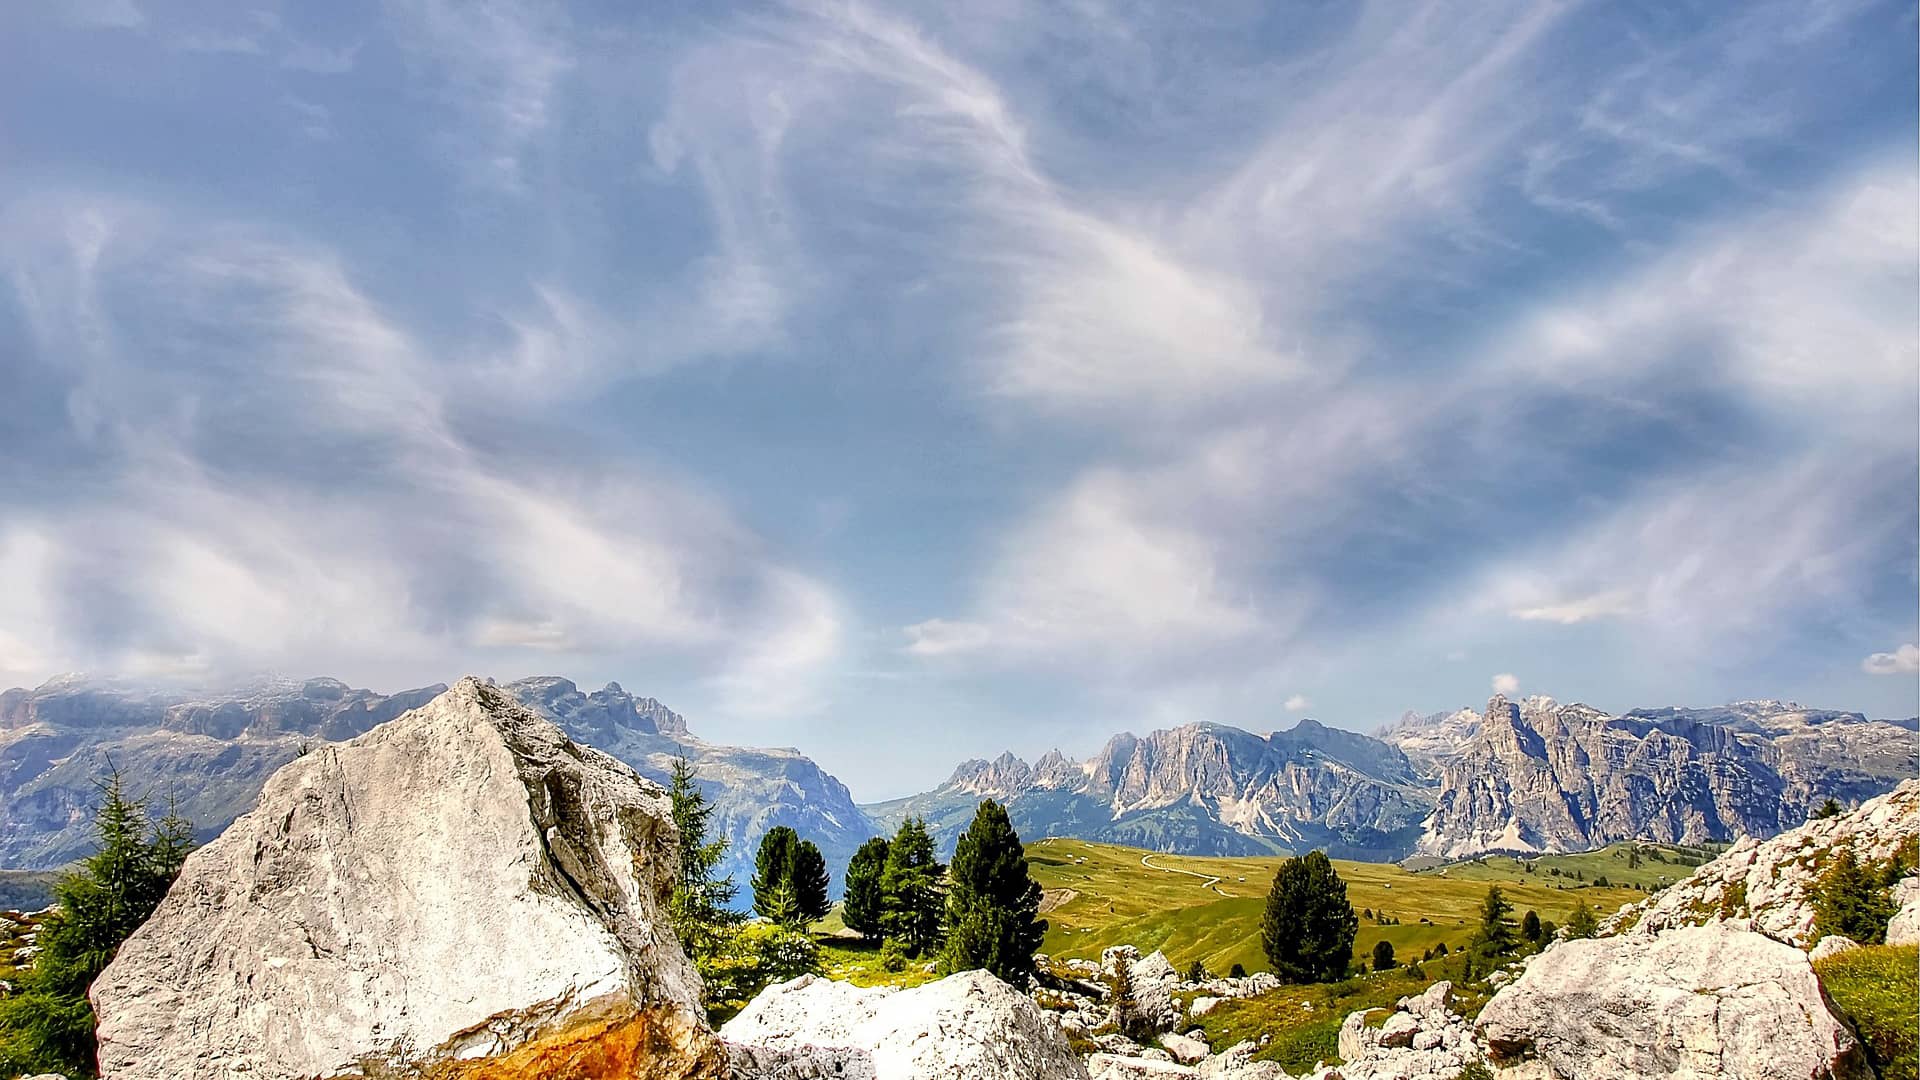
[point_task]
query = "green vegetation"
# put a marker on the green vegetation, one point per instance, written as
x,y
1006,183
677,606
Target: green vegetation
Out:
x,y
1855,898
1494,938
1828,809
701,908
27,890
1209,909
1308,927
752,957
911,890
1875,989
1304,1021
47,1025
789,880
1383,956
1629,864
864,900
993,903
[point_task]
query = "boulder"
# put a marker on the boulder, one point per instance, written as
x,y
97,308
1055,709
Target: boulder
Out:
x,y
1706,1002
1185,1050
460,889
1904,928
1203,1005
1421,1039
1119,1067
1154,981
1236,1063
969,1026
1831,945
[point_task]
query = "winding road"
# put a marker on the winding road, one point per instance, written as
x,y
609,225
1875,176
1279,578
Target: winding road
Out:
x,y
1206,882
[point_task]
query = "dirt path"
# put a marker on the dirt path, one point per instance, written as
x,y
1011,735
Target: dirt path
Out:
x,y
1206,882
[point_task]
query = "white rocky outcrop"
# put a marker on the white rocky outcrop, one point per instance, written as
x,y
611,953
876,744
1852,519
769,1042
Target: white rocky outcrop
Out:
x,y
1713,1001
1904,927
459,883
969,1026
1772,882
1422,1038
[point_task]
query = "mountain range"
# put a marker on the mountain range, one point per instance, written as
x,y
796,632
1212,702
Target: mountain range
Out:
x,y
211,751
1532,775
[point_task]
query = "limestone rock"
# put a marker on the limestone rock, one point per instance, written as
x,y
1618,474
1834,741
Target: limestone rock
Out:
x,y
969,1026
1236,1063
1119,1067
1772,882
1831,945
1708,1002
1185,1050
1202,1005
1904,929
457,884
1422,1039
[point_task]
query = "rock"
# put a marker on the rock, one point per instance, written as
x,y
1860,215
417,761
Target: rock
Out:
x,y
1706,1002
1904,928
459,883
1831,945
1772,882
1202,1005
1118,1067
1185,1050
1154,980
969,1026
1236,1063
1398,1030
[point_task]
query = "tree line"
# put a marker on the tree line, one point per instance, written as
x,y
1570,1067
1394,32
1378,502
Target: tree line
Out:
x,y
980,912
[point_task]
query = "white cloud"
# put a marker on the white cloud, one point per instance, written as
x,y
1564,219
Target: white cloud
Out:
x,y
1506,683
1298,703
1904,660
1585,609
941,637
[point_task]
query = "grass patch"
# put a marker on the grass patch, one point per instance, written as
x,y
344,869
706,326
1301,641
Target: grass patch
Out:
x,y
858,962
1875,989
1659,865
1117,900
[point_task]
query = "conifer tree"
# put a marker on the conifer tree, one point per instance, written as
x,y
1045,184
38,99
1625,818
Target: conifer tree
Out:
x,y
1309,926
1383,955
865,904
47,1024
1583,923
773,866
1530,926
993,903
1494,938
1852,900
809,885
911,886
701,909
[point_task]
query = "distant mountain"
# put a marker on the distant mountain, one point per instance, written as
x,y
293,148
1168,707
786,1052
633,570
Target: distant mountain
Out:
x,y
1540,776
1199,789
212,750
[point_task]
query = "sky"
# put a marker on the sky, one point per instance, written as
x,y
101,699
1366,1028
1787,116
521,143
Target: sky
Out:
x,y
909,382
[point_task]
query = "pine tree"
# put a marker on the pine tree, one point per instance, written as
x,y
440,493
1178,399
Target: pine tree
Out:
x,y
911,887
47,1024
1495,936
993,903
1583,923
1852,900
1309,926
1530,926
701,909
809,885
1828,809
1383,955
773,867
865,904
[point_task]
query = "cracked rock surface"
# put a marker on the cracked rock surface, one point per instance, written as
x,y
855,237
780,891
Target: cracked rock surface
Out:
x,y
460,883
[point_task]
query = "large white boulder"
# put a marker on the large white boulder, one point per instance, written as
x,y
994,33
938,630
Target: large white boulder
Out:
x,y
1421,1039
969,1026
1154,981
460,883
1706,1002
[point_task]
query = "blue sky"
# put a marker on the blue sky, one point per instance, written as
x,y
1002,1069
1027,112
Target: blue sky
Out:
x,y
906,383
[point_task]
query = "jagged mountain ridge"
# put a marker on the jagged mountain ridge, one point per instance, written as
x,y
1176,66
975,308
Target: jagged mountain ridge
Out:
x,y
1199,789
1537,775
214,749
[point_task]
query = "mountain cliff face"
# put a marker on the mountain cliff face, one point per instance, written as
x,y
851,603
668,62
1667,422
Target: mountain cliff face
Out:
x,y
1540,776
212,751
1199,789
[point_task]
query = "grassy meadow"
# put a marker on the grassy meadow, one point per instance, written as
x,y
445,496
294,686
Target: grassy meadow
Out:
x,y
1208,909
